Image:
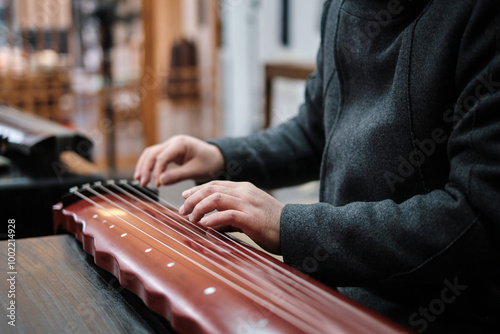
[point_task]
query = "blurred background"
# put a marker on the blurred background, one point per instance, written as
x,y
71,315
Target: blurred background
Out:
x,y
131,73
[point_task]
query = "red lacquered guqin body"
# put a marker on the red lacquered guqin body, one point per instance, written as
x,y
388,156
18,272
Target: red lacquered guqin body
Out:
x,y
201,280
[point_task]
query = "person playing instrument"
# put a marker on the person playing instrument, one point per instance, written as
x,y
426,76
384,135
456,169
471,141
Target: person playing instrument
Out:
x,y
401,124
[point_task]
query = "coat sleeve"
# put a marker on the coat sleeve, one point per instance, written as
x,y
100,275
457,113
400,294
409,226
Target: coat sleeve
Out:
x,y
288,154
429,237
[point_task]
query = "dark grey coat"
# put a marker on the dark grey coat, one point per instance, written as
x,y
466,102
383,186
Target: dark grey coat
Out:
x,y
401,123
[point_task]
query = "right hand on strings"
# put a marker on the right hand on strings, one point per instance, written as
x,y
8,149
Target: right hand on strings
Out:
x,y
194,159
236,206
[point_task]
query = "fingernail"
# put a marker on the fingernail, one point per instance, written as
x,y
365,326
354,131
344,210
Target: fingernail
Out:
x,y
181,210
185,193
204,221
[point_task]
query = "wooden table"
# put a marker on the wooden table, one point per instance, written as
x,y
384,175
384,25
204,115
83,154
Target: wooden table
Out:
x,y
59,289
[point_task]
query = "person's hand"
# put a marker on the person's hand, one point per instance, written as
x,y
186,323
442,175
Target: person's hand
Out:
x,y
195,160
240,206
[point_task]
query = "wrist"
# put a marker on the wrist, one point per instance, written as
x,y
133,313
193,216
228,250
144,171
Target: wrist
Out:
x,y
218,161
218,170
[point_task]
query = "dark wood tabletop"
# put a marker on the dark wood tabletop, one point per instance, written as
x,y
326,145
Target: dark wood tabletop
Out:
x,y
59,289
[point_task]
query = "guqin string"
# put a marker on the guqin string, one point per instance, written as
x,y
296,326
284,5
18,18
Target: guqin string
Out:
x,y
252,288
308,325
287,278
222,258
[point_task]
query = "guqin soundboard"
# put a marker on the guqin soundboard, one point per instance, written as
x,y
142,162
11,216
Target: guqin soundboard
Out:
x,y
199,279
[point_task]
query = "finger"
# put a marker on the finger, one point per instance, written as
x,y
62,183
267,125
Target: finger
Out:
x,y
146,164
140,163
228,229
227,184
204,192
217,201
178,173
170,153
224,219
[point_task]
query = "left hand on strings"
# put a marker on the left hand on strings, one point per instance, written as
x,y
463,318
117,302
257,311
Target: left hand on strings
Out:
x,y
240,206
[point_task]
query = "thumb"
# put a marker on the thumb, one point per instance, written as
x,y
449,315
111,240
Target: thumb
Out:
x,y
177,173
171,153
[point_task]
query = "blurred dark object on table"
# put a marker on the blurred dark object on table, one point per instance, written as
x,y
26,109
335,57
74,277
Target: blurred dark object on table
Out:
x,y
39,161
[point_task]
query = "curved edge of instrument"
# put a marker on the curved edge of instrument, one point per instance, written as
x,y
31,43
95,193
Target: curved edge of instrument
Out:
x,y
159,303
326,309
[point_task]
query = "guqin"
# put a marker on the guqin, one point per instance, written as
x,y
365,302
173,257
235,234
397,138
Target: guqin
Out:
x,y
199,279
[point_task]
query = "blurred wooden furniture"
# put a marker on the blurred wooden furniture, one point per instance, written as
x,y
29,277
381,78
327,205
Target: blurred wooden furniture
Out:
x,y
34,66
164,24
40,92
283,70
183,82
